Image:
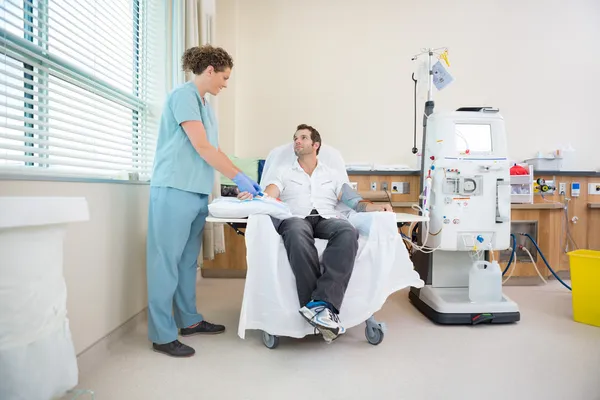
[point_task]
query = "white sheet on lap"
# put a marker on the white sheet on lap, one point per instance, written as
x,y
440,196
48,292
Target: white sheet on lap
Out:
x,y
270,301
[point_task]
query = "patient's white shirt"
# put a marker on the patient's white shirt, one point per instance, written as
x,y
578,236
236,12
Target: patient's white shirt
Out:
x,y
303,193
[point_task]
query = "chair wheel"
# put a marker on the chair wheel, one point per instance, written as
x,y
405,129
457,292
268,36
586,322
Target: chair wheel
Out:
x,y
374,335
270,341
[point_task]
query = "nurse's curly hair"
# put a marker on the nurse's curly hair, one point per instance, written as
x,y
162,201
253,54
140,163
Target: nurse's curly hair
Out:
x,y
197,59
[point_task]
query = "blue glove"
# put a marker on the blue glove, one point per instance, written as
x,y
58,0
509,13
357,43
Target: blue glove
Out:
x,y
245,184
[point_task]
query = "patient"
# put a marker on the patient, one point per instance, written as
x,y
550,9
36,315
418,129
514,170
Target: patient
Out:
x,y
312,191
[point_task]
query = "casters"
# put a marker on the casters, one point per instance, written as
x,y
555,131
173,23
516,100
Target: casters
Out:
x,y
374,332
270,341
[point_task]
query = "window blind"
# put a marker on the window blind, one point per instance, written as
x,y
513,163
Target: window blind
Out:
x,y
81,86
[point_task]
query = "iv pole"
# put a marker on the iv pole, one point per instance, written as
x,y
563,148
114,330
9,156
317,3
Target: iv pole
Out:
x,y
424,262
429,104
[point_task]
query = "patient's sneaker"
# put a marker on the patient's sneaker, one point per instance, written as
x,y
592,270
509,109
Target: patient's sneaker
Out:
x,y
319,315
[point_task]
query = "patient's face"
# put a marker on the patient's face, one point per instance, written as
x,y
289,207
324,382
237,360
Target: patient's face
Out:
x,y
303,144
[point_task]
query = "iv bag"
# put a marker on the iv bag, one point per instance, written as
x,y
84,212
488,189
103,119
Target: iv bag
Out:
x,y
441,76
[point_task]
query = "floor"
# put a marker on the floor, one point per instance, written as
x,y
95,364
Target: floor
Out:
x,y
545,356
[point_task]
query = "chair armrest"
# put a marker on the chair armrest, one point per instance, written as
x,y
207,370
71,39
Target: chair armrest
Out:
x,y
375,225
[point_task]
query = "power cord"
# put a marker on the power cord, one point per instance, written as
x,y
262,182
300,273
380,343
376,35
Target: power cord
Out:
x,y
568,237
526,250
511,271
389,198
512,253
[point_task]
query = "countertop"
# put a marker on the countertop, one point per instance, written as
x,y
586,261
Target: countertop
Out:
x,y
537,206
379,196
410,172
404,172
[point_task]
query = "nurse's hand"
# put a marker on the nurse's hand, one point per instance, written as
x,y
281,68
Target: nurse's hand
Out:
x,y
245,184
244,196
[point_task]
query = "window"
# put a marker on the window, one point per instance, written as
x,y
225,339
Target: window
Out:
x,y
80,83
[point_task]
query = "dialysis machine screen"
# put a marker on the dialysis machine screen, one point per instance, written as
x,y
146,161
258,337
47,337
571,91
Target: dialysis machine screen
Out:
x,y
477,138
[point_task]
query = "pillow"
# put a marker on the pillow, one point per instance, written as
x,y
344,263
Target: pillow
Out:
x,y
228,207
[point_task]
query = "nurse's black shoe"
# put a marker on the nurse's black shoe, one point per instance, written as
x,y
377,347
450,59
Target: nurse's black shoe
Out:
x,y
174,349
203,328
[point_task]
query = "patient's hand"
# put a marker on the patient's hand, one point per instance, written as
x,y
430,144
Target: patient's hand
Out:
x,y
244,196
379,207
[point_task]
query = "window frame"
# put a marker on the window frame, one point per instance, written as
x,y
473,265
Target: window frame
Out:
x,y
27,44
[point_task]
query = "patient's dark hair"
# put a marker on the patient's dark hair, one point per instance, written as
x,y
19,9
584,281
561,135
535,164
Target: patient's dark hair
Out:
x,y
315,136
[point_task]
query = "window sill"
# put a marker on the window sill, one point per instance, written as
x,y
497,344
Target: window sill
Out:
x,y
58,178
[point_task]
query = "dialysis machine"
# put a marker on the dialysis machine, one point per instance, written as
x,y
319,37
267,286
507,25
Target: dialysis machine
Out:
x,y
466,194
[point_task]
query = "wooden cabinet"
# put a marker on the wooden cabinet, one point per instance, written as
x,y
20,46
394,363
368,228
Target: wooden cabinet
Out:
x,y
593,225
580,221
232,263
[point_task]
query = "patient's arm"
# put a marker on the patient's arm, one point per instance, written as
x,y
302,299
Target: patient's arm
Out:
x,y
352,199
378,207
271,191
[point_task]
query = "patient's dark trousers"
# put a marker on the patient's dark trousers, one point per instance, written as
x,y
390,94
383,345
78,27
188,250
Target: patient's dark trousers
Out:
x,y
337,262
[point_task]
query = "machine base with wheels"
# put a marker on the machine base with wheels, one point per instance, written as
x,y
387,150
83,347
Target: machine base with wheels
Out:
x,y
451,306
374,332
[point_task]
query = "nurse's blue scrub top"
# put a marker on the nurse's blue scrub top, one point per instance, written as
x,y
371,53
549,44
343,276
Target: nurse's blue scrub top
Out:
x,y
176,163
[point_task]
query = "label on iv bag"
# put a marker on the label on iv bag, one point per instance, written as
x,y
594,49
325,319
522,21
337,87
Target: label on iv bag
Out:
x,y
441,76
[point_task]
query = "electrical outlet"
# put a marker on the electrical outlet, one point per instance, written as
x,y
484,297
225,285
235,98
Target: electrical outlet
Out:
x,y
400,187
384,186
562,188
373,185
575,189
594,188
354,185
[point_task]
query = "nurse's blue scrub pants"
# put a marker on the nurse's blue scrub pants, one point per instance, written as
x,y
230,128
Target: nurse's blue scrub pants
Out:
x,y
175,223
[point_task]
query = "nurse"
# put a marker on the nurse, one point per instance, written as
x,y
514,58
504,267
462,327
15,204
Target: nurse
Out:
x,y
187,155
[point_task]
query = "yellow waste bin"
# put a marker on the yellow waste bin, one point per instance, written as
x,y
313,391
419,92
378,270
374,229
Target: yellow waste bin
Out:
x,y
585,285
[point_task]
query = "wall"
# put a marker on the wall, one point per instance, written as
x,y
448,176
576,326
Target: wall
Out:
x,y
105,258
226,35
345,67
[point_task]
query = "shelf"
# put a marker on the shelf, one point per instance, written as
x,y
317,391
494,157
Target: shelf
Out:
x,y
405,204
537,206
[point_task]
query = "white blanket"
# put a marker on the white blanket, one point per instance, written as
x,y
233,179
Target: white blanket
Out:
x,y
270,301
